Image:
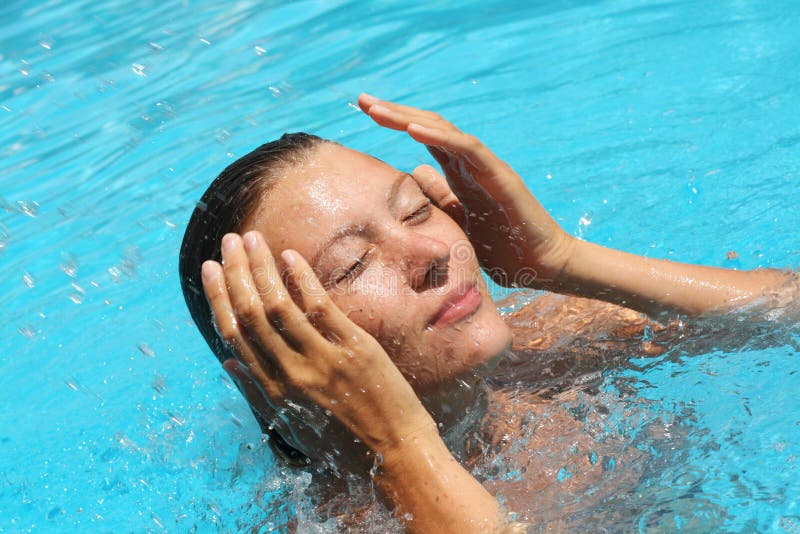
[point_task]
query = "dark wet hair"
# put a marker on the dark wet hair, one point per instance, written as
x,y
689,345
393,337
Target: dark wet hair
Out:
x,y
223,208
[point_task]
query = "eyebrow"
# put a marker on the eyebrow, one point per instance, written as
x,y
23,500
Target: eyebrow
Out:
x,y
391,197
354,229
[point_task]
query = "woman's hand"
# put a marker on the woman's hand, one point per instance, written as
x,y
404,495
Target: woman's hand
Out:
x,y
512,233
516,240
297,352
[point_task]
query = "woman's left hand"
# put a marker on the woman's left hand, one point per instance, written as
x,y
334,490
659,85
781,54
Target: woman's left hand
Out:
x,y
516,240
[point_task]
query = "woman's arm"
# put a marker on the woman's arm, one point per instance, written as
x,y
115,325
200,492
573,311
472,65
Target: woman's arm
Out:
x,y
657,286
433,492
298,349
519,244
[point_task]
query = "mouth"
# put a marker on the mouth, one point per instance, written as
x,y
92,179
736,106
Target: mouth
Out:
x,y
462,302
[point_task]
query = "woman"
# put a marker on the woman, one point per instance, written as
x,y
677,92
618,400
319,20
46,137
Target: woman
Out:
x,y
350,309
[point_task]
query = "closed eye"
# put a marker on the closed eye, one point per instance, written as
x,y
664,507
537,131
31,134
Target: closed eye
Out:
x,y
355,268
420,214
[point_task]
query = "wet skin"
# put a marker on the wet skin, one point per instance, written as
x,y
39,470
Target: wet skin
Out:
x,y
397,301
391,260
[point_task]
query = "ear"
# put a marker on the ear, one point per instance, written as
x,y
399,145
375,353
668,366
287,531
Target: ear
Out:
x,y
436,188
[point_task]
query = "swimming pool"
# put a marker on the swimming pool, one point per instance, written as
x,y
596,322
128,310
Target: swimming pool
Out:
x,y
667,129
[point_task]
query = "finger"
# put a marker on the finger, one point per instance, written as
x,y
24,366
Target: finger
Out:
x,y
399,120
467,145
314,300
391,119
246,301
276,305
488,171
435,187
226,323
221,309
366,101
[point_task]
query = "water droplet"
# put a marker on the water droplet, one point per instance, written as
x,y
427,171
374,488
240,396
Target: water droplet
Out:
x,y
159,385
28,279
609,463
138,69
69,266
408,516
27,330
175,418
564,474
222,135
28,208
593,458
146,350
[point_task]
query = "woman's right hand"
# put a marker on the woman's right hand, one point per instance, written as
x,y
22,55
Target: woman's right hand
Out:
x,y
296,351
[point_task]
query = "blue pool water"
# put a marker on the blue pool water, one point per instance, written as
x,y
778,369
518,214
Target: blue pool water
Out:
x,y
668,129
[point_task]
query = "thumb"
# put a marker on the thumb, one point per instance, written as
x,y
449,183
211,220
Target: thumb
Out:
x,y
436,188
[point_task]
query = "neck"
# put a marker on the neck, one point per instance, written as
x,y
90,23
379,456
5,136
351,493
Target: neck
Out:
x,y
457,407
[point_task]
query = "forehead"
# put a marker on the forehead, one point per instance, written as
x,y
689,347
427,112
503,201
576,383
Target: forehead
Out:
x,y
334,187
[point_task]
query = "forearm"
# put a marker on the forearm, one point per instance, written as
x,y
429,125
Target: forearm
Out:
x,y
432,492
656,286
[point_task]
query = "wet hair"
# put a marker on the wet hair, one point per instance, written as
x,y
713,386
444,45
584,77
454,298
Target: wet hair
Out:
x,y
230,199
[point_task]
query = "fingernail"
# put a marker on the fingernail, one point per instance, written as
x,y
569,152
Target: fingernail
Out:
x,y
288,258
209,271
229,241
369,98
250,241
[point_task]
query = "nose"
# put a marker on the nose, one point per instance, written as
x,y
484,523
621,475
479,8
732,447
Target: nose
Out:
x,y
424,261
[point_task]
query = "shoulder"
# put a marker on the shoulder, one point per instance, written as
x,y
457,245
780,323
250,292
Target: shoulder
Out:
x,y
541,321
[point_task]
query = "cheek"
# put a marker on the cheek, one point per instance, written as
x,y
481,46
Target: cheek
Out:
x,y
458,351
374,302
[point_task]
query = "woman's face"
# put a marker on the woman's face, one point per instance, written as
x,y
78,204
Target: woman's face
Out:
x,y
399,267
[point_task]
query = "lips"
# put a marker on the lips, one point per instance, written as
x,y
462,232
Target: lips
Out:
x,y
460,303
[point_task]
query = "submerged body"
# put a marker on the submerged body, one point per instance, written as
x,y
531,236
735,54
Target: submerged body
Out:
x,y
541,437
369,333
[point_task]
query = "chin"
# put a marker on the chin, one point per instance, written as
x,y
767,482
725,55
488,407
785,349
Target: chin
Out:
x,y
487,339
492,344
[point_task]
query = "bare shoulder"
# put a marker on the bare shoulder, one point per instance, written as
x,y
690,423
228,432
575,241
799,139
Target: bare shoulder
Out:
x,y
547,320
